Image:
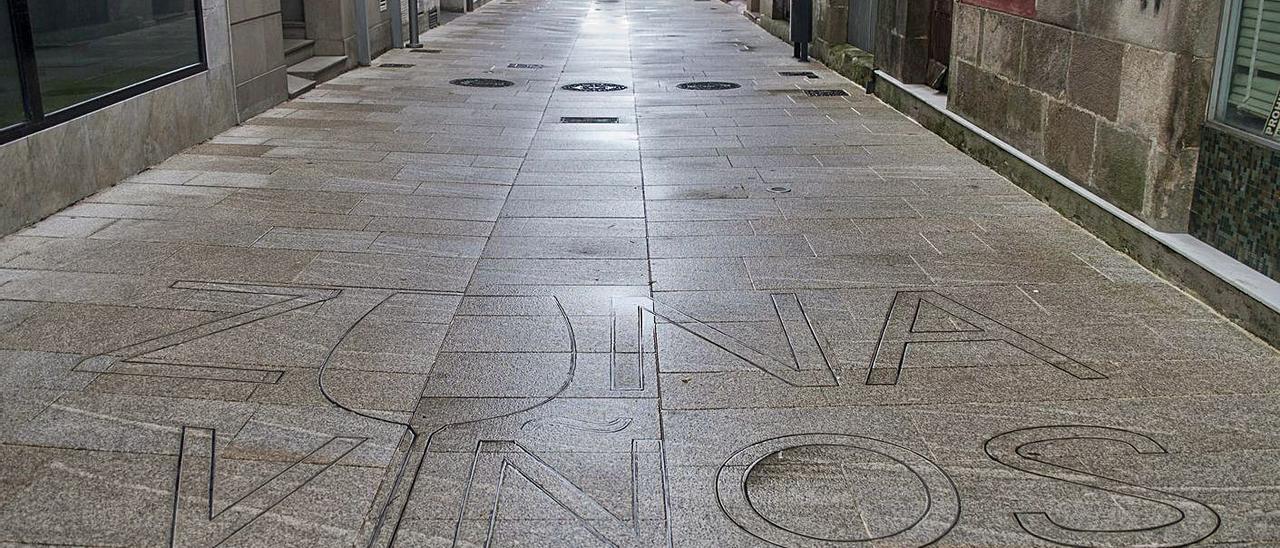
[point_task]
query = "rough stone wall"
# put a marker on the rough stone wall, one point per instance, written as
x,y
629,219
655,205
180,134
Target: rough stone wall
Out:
x,y
1110,93
778,27
902,39
830,21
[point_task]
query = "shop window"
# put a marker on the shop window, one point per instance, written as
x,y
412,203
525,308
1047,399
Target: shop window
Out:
x,y
63,58
11,107
1248,81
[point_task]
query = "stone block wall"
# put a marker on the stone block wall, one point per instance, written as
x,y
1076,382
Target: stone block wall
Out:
x,y
902,39
830,22
830,18
379,28
778,27
257,41
1110,93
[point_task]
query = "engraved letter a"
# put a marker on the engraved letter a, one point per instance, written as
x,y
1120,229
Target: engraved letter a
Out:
x,y
901,329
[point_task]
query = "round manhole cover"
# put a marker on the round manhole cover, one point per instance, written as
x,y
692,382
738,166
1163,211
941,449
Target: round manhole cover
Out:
x,y
482,83
593,86
708,86
779,189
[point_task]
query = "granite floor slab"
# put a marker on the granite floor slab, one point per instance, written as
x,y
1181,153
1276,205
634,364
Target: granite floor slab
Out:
x,y
397,311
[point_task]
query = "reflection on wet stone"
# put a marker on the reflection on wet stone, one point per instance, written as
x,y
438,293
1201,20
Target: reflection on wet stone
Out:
x,y
836,493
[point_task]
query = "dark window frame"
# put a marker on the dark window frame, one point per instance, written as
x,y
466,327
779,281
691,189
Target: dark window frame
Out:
x,y
1224,63
781,10
29,82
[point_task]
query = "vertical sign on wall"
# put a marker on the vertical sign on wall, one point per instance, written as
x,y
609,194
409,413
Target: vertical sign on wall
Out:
x,y
1273,122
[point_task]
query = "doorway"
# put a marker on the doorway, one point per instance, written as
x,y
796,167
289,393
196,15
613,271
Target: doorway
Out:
x,y
939,44
862,24
294,16
781,10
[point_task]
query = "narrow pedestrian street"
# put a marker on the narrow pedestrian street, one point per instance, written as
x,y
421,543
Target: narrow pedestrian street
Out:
x,y
609,273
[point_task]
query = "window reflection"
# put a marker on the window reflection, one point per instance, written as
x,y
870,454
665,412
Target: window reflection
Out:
x,y
87,48
11,111
1252,73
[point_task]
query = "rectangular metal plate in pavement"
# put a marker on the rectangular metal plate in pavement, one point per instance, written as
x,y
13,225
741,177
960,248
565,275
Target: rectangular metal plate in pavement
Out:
x,y
827,92
588,120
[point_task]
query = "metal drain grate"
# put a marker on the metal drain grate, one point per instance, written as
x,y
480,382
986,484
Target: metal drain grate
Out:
x,y
433,18
826,93
805,73
395,65
708,86
525,66
588,119
593,86
421,50
482,83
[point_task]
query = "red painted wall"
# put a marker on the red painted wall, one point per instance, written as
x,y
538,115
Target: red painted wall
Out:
x,y
1025,8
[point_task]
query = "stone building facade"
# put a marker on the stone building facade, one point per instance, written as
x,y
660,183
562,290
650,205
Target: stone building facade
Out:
x,y
1111,94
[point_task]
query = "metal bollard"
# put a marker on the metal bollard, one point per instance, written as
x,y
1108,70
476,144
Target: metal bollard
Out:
x,y
415,33
801,27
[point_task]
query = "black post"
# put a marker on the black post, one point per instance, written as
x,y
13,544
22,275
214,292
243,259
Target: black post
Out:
x,y
801,27
415,32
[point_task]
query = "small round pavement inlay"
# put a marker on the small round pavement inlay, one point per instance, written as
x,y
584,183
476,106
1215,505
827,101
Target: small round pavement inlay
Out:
x,y
593,86
482,83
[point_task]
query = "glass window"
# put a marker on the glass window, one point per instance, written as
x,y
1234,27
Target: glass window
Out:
x,y
11,110
87,48
1249,78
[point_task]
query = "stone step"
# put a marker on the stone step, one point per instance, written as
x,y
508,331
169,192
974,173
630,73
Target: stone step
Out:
x,y
297,51
295,30
299,85
319,68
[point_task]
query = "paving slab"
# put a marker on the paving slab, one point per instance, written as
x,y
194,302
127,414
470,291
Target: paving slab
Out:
x,y
396,311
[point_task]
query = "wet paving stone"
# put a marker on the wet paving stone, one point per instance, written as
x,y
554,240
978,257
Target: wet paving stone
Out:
x,y
587,303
